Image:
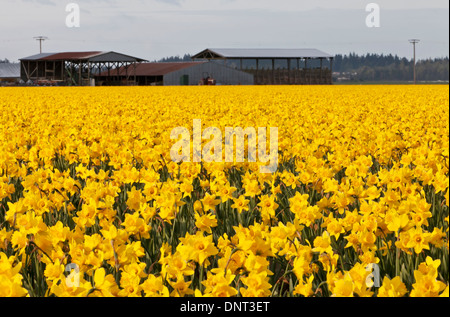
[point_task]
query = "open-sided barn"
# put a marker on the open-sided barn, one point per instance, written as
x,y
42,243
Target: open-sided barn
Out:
x,y
276,66
75,68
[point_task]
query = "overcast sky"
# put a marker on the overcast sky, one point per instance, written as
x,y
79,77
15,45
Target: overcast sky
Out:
x,y
152,29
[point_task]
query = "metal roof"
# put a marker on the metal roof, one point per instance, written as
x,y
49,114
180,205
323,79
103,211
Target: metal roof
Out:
x,y
114,57
93,56
36,57
152,69
8,70
71,56
261,53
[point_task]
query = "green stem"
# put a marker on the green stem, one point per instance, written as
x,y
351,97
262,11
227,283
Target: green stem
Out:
x,y
200,285
416,265
397,262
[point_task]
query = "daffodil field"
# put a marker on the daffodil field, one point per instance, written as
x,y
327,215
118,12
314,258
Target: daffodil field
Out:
x,y
91,203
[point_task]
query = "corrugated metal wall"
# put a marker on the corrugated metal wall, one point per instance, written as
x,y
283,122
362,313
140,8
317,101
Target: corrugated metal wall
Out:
x,y
222,74
9,70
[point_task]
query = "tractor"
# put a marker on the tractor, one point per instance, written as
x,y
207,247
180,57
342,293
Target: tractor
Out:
x,y
207,80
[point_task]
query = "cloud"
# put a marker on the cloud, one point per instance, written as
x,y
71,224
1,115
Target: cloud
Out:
x,y
172,2
43,2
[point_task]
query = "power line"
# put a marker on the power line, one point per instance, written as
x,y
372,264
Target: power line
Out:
x,y
40,39
414,42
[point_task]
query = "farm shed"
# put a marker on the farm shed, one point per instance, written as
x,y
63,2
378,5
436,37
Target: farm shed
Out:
x,y
184,74
276,66
76,68
9,72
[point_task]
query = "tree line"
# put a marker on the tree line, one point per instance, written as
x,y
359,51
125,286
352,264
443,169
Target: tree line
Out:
x,y
376,67
184,58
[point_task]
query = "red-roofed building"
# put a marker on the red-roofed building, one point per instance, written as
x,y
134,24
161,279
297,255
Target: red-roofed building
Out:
x,y
74,68
180,73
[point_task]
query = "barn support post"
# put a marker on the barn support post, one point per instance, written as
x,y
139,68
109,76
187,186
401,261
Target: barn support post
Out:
x,y
89,73
321,65
310,76
26,71
80,82
35,70
73,70
23,70
331,70
289,71
109,72
100,67
118,71
273,71
257,71
296,74
66,73
306,70
122,68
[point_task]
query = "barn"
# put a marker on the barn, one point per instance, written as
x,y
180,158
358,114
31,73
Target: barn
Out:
x,y
181,74
276,66
75,68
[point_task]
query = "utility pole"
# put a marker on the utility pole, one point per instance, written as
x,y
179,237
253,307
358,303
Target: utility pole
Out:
x,y
40,39
414,42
